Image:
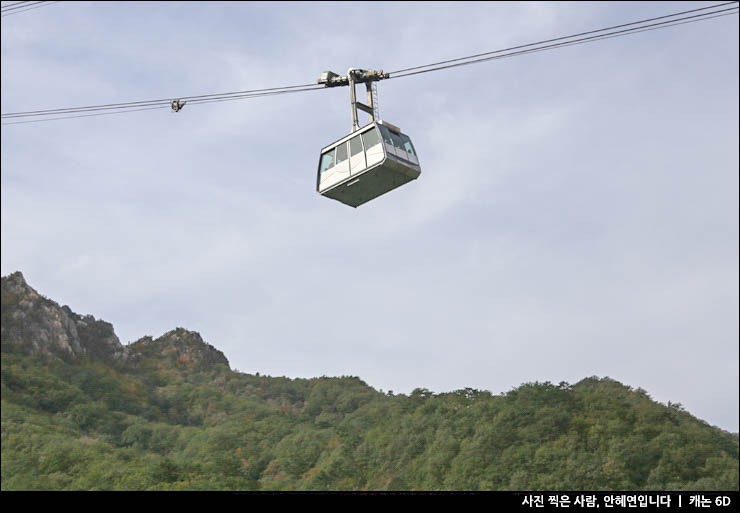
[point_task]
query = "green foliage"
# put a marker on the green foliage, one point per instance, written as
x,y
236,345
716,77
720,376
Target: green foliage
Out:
x,y
162,425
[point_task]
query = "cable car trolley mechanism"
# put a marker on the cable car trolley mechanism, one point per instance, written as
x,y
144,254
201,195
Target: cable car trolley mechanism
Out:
x,y
371,160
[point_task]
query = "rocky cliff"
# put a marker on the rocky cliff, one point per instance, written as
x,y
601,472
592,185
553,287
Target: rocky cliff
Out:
x,y
34,324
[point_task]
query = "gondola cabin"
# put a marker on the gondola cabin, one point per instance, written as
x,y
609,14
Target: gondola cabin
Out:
x,y
367,163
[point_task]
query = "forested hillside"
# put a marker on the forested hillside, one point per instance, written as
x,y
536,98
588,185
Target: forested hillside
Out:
x,y
80,411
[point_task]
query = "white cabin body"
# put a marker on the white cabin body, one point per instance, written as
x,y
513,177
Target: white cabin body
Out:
x,y
367,163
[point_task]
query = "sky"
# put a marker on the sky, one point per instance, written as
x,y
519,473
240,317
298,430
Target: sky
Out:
x,y
576,214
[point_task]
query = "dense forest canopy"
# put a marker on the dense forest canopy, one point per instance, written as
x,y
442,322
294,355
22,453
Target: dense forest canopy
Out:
x,y
82,412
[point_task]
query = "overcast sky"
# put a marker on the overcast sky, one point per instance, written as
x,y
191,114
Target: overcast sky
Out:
x,y
576,215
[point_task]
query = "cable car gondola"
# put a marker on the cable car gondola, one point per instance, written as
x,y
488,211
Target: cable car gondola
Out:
x,y
369,161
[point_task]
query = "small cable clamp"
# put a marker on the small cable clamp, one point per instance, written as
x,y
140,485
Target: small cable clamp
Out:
x,y
177,105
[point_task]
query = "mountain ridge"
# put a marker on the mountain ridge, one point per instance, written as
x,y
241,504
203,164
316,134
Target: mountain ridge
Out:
x,y
80,411
40,325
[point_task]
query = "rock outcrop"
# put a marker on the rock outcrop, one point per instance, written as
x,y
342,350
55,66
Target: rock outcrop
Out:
x,y
37,325
34,324
180,348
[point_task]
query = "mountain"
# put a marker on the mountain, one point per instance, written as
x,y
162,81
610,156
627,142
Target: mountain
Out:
x,y
40,326
81,411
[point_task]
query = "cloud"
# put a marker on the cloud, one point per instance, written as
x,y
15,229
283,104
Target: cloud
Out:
x,y
576,213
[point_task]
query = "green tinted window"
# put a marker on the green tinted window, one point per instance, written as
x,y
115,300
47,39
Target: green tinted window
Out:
x,y
327,161
407,144
341,153
387,138
397,141
370,138
355,146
